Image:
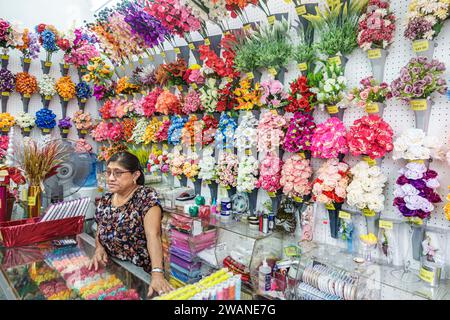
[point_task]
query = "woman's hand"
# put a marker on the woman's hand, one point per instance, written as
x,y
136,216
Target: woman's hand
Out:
x,y
159,285
100,258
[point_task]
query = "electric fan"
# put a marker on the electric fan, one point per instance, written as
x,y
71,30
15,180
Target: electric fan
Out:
x,y
71,175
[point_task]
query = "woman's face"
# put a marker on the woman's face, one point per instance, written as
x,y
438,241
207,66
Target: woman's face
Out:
x,y
119,179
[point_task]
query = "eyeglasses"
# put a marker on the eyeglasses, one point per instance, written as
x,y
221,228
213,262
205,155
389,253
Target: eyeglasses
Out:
x,y
116,173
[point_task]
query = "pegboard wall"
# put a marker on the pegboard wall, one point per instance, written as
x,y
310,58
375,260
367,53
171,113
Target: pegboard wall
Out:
x,y
397,114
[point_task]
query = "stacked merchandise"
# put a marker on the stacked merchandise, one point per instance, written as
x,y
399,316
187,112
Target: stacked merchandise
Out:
x,y
50,284
221,285
72,264
185,244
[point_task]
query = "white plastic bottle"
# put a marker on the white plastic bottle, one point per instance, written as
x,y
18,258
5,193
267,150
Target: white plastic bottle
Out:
x,y
264,277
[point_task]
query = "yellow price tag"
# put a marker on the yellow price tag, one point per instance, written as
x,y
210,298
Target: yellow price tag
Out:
x,y
180,88
330,206
5,57
421,45
301,10
307,143
298,199
248,152
207,42
388,225
151,58
417,161
369,213
165,146
66,99
345,215
247,26
83,100
48,64
371,162
122,67
374,54
65,130
272,194
48,98
27,129
271,19
177,50
418,105
332,109
194,86
5,129
288,1
372,108
5,94
83,131
425,275
228,79
250,75
336,60
191,46
143,93
46,130
302,154
31,201
163,54
27,95
66,66
27,60
291,251
140,60
302,66
272,71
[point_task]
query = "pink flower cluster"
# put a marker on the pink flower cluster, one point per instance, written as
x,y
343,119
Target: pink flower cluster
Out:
x,y
82,146
227,169
331,183
192,103
299,133
270,131
295,176
115,132
270,173
100,132
273,95
177,161
377,26
329,140
147,105
175,16
370,136
163,132
82,120
168,103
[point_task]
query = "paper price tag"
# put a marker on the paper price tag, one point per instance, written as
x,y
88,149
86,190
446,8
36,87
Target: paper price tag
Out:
x,y
66,66
388,225
65,131
272,194
374,54
330,206
332,109
31,201
83,100
207,42
191,46
425,275
345,215
369,213
180,88
228,79
301,10
298,199
27,95
151,58
417,161
302,154
83,131
177,50
5,129
250,75
48,98
371,162
163,54
27,129
5,94
27,60
421,45
302,66
140,60
66,99
271,19
272,71
247,26
46,130
194,86
122,67
372,108
5,57
48,64
336,60
248,152
418,105
165,146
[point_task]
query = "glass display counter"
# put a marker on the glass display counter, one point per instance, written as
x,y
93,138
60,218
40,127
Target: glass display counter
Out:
x,y
47,272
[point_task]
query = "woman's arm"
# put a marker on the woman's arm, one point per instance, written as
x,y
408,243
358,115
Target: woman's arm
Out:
x,y
100,255
152,227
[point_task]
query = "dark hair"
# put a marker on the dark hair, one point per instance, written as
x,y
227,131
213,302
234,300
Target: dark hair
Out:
x,y
130,162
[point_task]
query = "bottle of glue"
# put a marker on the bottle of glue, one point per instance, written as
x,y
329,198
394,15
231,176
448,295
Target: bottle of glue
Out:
x,y
264,276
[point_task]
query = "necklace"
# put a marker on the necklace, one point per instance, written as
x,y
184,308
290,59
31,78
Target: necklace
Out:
x,y
129,195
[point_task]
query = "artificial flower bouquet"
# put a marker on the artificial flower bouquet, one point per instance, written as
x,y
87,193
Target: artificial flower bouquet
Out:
x,y
124,86
329,139
370,136
413,144
247,176
6,122
45,120
26,122
273,94
64,126
271,131
207,164
80,48
248,98
330,188
83,122
192,103
246,133
227,170
377,26
168,103
270,174
295,177
175,130
210,126
47,88
193,76
150,131
371,95
299,133
48,38
225,132
301,98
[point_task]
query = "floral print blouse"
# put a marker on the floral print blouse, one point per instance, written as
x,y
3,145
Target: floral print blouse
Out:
x,y
121,229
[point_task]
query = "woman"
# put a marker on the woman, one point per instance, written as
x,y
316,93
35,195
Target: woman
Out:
x,y
129,221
